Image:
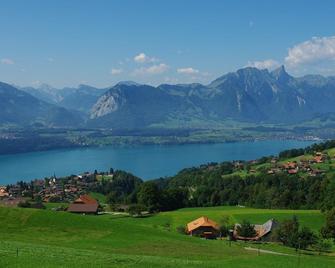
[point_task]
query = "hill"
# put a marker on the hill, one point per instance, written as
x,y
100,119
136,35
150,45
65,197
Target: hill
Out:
x,y
42,238
297,178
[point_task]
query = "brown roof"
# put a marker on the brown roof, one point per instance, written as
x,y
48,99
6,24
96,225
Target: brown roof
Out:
x,y
201,222
85,199
83,208
261,230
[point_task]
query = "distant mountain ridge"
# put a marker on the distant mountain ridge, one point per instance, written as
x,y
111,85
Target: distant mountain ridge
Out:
x,y
248,95
22,109
81,98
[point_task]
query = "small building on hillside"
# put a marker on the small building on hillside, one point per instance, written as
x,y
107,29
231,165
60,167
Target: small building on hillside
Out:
x,y
85,204
262,231
203,227
3,192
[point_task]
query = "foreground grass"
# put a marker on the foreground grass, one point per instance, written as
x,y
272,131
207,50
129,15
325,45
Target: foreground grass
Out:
x,y
60,239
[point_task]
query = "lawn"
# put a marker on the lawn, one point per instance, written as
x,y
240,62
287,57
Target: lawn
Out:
x,y
44,238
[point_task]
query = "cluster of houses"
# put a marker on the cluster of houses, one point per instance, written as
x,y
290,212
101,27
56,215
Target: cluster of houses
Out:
x,y
54,189
303,165
50,189
206,228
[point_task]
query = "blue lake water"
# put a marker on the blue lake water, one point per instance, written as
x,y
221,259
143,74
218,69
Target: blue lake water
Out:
x,y
145,161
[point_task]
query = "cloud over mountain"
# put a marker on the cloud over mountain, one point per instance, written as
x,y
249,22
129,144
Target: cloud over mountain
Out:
x,y
315,50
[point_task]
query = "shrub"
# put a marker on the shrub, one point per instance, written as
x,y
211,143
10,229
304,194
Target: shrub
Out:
x,y
136,210
246,229
181,229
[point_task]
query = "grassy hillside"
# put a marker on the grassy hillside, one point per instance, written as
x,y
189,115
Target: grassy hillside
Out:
x,y
58,239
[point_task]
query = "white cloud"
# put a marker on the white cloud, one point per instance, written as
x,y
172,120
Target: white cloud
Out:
x,y
152,70
143,58
316,50
115,71
7,61
50,59
188,70
265,64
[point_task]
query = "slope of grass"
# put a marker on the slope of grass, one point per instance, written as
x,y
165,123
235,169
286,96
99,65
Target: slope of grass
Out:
x,y
58,239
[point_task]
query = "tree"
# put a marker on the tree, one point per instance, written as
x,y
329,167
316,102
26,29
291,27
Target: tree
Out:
x,y
149,195
306,238
291,235
287,232
246,229
225,225
328,231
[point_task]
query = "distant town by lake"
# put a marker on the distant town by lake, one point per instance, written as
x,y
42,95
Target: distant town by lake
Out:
x,y
145,161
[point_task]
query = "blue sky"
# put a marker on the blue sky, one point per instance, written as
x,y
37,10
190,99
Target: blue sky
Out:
x,y
66,43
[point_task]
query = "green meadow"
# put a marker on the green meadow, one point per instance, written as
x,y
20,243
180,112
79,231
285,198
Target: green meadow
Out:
x,y
45,238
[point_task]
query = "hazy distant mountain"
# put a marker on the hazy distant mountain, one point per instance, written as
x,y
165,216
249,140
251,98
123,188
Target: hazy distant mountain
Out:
x,y
21,108
81,98
248,94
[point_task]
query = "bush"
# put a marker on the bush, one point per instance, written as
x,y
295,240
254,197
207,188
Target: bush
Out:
x,y
246,229
136,210
38,205
24,204
323,245
225,226
328,231
181,229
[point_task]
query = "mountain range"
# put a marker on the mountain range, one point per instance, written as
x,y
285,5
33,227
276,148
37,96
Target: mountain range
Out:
x,y
247,95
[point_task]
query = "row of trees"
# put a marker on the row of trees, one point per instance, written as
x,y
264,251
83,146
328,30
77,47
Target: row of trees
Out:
x,y
211,188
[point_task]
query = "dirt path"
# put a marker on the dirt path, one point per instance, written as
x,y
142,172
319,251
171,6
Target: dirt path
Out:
x,y
267,251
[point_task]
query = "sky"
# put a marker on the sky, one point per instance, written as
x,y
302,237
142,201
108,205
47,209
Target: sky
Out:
x,y
97,42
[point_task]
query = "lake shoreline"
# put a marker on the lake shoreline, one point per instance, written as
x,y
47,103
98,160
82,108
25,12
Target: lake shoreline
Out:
x,y
136,144
144,161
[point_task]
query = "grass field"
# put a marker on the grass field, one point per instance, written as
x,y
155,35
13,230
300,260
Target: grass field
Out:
x,y
44,238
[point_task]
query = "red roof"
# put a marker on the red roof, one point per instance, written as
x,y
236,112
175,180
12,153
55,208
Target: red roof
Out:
x,y
292,171
84,204
85,199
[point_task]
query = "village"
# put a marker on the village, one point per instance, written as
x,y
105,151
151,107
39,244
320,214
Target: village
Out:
x,y
68,189
51,190
304,166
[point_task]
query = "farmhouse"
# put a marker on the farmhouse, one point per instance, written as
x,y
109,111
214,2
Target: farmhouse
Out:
x,y
203,227
3,192
84,204
262,231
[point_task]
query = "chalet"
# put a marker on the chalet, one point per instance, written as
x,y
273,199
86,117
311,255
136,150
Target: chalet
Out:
x,y
203,227
318,159
3,192
262,231
84,204
290,165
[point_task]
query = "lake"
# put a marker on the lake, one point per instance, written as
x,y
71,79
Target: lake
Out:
x,y
145,161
